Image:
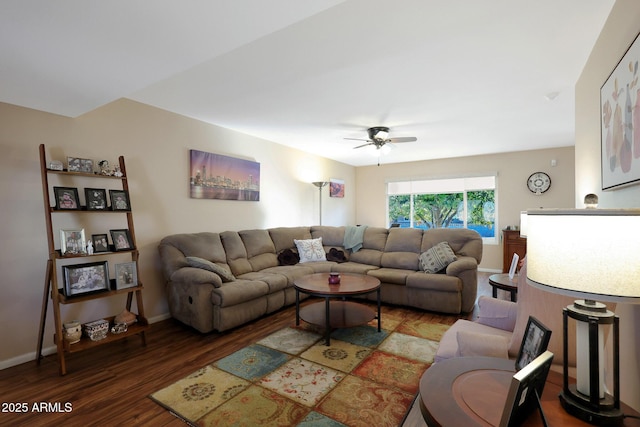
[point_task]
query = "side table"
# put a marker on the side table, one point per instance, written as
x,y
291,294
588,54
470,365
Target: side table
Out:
x,y
472,391
502,281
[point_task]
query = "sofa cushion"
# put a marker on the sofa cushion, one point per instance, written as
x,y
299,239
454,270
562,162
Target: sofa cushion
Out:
x,y
198,262
437,258
283,236
310,250
497,313
478,344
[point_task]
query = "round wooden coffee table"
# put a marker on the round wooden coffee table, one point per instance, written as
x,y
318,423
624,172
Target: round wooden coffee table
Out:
x,y
334,313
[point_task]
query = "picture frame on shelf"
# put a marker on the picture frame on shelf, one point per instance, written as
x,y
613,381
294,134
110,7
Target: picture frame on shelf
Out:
x,y
76,164
66,198
121,240
100,243
82,279
126,275
72,242
96,198
119,200
534,343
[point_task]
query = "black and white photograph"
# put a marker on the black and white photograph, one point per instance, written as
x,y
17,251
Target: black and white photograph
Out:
x,y
72,242
100,243
96,198
66,198
81,279
126,275
534,343
119,200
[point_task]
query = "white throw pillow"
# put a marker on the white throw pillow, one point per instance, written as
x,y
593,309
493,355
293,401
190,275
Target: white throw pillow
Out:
x,y
437,258
310,250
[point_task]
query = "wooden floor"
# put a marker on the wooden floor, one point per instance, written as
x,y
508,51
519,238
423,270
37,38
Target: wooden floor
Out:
x,y
109,385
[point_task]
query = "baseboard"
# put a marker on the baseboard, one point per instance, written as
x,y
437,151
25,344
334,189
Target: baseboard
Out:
x,y
30,357
489,270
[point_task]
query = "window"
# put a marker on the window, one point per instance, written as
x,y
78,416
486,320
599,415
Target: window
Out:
x,y
467,202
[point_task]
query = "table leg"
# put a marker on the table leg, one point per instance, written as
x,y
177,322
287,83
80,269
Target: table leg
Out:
x,y
494,291
379,317
297,307
514,296
328,322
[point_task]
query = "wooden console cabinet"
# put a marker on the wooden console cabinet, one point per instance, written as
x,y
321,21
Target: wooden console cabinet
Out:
x,y
512,243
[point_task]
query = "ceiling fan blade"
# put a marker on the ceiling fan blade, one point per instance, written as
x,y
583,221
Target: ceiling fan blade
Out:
x,y
403,139
358,139
363,145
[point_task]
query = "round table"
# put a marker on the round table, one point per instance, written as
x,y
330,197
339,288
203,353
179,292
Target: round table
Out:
x,y
336,311
502,281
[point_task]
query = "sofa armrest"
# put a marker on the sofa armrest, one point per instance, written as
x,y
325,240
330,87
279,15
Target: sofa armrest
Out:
x,y
196,276
462,264
497,313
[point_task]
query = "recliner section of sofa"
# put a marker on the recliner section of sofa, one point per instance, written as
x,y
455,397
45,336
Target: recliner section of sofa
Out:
x,y
201,299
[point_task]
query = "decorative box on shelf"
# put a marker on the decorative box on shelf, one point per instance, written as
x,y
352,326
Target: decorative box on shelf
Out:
x,y
96,330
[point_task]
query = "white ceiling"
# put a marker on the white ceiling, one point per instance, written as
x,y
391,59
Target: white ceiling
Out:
x,y
465,77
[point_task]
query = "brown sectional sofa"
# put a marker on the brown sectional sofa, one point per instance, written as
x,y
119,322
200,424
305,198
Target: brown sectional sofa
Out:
x,y
200,298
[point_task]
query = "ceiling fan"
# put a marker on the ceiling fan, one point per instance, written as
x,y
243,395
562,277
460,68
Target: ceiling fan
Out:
x,y
379,136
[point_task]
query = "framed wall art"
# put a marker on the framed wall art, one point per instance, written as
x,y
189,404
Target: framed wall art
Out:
x,y
80,279
66,198
96,198
213,176
336,187
121,240
620,122
119,200
126,275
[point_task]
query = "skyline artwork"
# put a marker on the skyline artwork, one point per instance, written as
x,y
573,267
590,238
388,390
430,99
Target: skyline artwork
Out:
x,y
214,176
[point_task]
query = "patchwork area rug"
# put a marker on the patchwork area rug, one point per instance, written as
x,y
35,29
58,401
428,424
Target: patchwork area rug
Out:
x,y
291,378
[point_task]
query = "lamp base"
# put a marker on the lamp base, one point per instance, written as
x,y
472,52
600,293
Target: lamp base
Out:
x,y
603,417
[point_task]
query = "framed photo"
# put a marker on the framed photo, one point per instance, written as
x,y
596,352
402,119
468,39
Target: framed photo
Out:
x,y
80,279
121,240
126,275
66,198
525,390
72,242
534,342
100,242
119,200
514,266
210,177
96,198
619,126
75,164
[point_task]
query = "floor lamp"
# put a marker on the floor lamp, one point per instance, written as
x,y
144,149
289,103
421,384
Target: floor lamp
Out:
x,y
320,184
590,254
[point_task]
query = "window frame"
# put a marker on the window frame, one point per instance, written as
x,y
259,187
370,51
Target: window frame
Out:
x,y
450,184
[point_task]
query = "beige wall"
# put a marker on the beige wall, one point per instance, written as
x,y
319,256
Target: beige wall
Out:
x,y
620,29
156,146
512,170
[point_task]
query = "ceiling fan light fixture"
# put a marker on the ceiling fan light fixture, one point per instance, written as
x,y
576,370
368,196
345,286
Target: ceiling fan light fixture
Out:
x,y
383,134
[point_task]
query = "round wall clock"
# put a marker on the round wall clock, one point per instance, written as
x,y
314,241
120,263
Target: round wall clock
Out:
x,y
538,182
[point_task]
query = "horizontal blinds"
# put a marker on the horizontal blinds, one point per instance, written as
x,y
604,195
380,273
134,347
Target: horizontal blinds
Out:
x,y
442,186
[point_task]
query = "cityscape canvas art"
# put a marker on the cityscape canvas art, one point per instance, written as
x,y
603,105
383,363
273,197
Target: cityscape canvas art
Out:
x,y
214,176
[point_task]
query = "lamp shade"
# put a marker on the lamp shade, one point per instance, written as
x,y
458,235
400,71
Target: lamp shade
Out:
x,y
585,253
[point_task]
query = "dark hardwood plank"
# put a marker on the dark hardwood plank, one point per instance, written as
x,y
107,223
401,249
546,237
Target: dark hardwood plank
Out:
x,y
109,385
